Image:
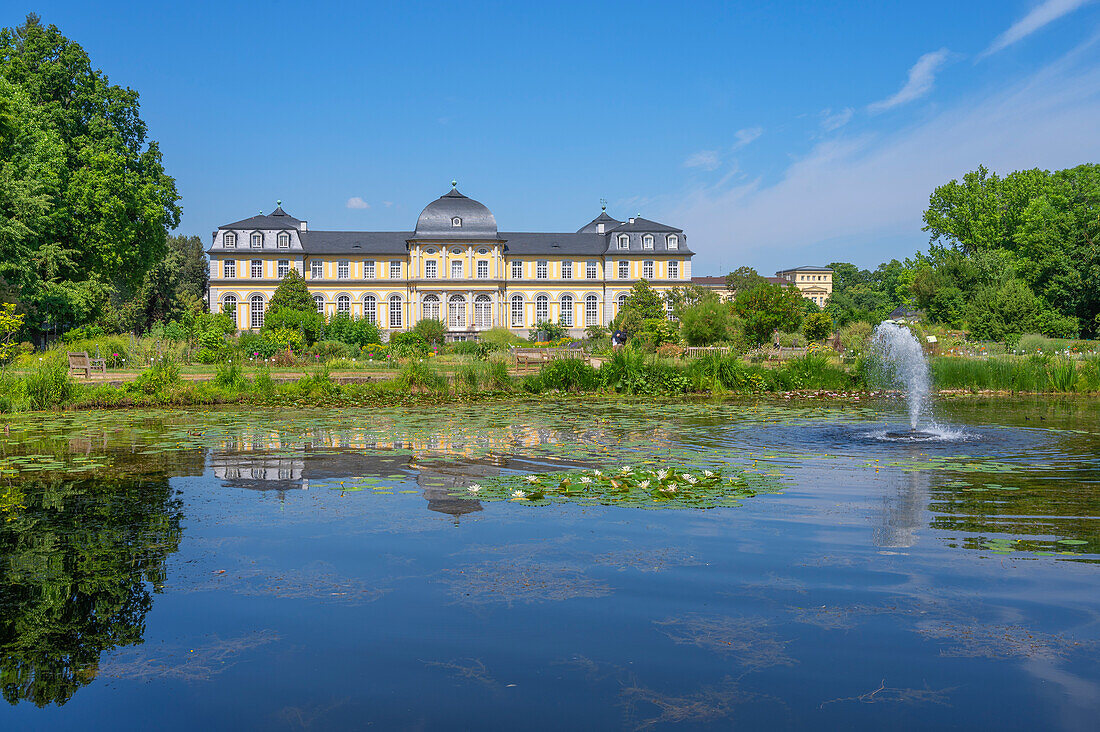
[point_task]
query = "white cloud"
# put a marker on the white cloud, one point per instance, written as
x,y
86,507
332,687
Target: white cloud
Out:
x,y
1042,14
357,202
922,76
831,121
705,159
862,199
746,136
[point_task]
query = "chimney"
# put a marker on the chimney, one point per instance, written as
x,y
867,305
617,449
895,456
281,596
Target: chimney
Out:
x,y
305,226
632,219
599,228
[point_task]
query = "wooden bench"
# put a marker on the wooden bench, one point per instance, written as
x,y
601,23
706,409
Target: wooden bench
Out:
x,y
530,356
79,361
697,351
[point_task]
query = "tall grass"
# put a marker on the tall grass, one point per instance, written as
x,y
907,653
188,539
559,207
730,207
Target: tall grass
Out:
x,y
49,385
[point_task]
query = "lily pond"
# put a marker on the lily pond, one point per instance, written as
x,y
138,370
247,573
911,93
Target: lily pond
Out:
x,y
571,564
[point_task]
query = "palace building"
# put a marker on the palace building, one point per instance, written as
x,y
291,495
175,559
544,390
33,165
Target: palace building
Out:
x,y
455,267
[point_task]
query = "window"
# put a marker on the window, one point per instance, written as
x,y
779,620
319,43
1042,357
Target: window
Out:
x,y
482,269
257,311
673,241
668,309
229,307
431,269
431,307
257,269
257,240
517,311
368,270
395,311
456,222
590,270
622,300
624,269
395,269
316,269
647,241
283,268
229,268
343,304
430,250
283,240
647,269
456,269
370,309
542,308
591,310
624,241
229,240
483,311
343,269
542,269
567,311
456,310
567,270
674,270
319,303
517,270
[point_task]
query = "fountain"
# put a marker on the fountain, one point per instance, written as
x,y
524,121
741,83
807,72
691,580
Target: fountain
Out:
x,y
903,365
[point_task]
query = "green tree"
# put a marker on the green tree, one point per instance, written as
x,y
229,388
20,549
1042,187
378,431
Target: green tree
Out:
x,y
11,323
743,279
292,307
817,326
1005,313
706,323
431,330
767,308
94,203
641,304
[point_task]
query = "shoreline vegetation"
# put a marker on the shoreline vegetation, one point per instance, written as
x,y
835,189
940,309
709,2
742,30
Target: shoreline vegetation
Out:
x,y
49,386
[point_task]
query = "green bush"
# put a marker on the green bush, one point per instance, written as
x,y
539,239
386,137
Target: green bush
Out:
x,y
431,330
551,331
817,326
421,376
229,375
356,331
83,333
706,323
13,393
158,379
49,385
569,374
501,339
408,345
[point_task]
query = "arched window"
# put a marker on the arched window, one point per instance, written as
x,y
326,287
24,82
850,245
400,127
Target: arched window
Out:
x,y
257,311
456,310
647,241
567,311
431,269
622,301
517,311
624,241
370,308
257,240
395,311
343,304
456,222
319,303
229,239
283,240
542,308
483,311
591,310
431,307
430,250
673,241
229,307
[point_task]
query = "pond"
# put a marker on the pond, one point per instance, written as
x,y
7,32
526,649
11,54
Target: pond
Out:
x,y
552,564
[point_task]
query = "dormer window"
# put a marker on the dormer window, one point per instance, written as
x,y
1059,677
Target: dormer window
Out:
x,y
673,241
456,221
624,241
229,240
647,241
283,240
257,240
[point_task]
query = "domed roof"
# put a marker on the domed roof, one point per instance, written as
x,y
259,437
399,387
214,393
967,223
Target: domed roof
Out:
x,y
438,219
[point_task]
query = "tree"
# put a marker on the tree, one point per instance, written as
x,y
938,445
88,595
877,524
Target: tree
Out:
x,y
641,304
292,307
1005,313
743,279
706,323
92,204
11,323
767,308
681,298
817,326
431,330
292,293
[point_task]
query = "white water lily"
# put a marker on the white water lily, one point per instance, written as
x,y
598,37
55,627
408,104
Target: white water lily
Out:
x,y
585,479
532,479
474,488
625,469
644,484
519,495
686,476
708,473
672,487
691,479
662,474
597,473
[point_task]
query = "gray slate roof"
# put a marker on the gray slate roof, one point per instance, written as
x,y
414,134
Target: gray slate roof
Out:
x,y
808,268
277,219
593,226
647,226
355,242
478,221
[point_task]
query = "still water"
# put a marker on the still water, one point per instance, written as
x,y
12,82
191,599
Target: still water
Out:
x,y
333,569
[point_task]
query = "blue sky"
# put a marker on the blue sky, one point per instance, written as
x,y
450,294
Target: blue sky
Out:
x,y
775,134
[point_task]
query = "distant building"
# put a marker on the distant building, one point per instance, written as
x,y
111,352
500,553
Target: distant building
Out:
x,y
816,283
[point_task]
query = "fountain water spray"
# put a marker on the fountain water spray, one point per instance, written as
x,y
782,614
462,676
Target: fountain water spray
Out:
x,y
904,366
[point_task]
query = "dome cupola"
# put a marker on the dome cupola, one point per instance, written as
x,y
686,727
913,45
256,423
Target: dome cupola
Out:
x,y
455,216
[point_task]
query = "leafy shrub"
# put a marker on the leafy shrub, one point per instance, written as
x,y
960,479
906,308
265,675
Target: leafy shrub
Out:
x,y
500,339
49,385
310,323
205,356
654,333
670,350
706,323
230,375
421,376
431,330
817,326
275,340
356,331
549,330
465,348
569,374
157,379
83,333
13,393
408,345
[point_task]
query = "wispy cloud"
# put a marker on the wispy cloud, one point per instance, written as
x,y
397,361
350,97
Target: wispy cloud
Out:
x,y
357,202
857,198
922,77
746,136
705,159
1042,14
831,121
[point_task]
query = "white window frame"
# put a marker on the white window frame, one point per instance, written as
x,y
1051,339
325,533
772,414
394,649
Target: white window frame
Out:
x,y
542,269
673,241
624,269
395,311
483,312
282,268
319,303
431,269
456,222
430,307
229,269
229,303
256,240
542,309
456,311
591,269
566,304
624,241
229,240
368,269
256,315
518,307
567,270
517,270
343,269
648,268
483,269
673,269
370,308
456,269
282,240
647,241
395,269
252,267
343,304
591,310
316,269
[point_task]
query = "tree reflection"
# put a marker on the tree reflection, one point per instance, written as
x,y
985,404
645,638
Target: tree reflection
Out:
x,y
79,561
